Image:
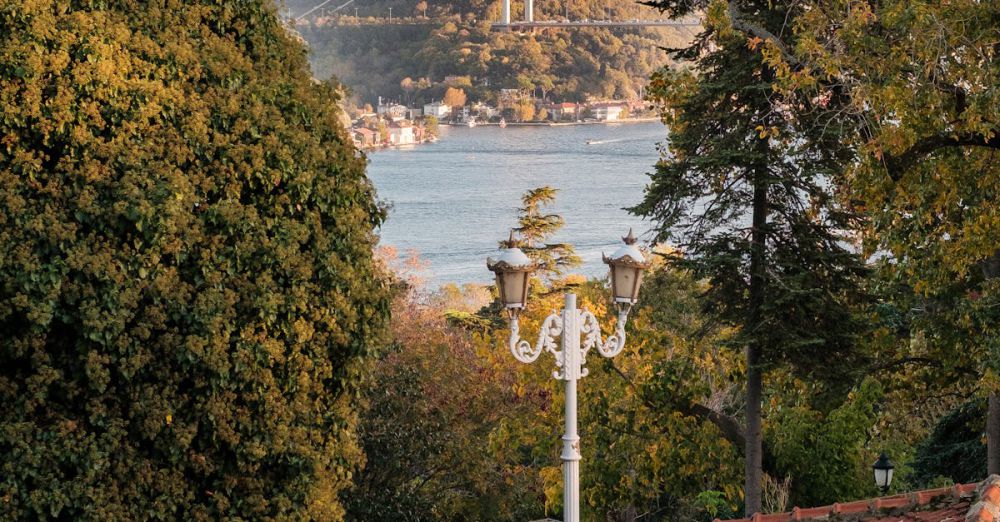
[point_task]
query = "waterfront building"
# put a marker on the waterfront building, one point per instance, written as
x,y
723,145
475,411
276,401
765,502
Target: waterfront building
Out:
x,y
510,97
401,134
563,111
437,109
364,138
608,111
484,111
465,114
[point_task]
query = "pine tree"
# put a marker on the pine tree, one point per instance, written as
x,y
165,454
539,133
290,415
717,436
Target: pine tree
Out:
x,y
535,227
745,194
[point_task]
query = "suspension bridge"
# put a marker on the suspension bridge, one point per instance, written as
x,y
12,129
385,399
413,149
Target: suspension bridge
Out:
x,y
504,24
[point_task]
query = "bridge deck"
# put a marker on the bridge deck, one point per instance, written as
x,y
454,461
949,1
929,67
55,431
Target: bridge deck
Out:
x,y
596,23
500,26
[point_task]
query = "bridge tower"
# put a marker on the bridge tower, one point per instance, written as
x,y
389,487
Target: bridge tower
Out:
x,y
529,10
505,14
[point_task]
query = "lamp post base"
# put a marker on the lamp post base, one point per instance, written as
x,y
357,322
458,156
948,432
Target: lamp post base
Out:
x,y
571,494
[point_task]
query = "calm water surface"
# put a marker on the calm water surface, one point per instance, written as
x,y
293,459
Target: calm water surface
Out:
x,y
453,200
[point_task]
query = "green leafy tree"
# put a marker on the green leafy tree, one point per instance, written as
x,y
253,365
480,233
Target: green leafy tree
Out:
x,y
914,87
187,291
652,416
644,415
433,404
824,455
432,125
955,448
745,194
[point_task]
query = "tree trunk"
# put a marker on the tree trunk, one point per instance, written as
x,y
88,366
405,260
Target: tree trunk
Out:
x,y
991,270
993,435
754,350
754,449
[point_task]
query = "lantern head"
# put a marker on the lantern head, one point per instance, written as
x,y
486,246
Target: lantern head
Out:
x,y
883,472
513,269
627,265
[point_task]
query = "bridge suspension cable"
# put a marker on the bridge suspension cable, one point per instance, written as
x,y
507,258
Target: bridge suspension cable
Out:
x,y
320,5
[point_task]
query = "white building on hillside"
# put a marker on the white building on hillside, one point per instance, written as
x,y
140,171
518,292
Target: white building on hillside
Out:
x,y
392,110
484,112
437,109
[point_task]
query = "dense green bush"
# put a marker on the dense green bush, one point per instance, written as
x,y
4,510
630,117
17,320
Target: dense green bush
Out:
x,y
955,449
186,276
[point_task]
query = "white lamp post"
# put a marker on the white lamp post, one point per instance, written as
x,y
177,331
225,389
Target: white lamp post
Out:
x,y
513,269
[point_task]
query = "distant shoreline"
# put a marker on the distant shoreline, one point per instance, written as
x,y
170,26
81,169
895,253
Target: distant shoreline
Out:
x,y
556,123
371,150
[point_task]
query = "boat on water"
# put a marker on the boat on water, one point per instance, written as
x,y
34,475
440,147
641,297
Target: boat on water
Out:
x,y
592,142
471,123
503,123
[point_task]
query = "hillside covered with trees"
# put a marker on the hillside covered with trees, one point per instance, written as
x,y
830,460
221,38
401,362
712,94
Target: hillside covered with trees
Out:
x,y
409,60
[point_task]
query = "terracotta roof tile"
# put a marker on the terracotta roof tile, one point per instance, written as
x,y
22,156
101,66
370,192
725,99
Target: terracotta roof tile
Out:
x,y
988,507
860,506
948,504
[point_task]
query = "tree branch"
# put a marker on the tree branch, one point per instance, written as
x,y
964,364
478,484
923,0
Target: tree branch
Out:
x,y
889,365
727,426
740,23
897,165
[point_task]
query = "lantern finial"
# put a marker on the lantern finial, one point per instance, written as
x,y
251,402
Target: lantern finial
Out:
x,y
511,242
630,238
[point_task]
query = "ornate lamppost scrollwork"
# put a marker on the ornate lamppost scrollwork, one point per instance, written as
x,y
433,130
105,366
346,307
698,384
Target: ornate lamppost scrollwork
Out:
x,y
522,349
591,331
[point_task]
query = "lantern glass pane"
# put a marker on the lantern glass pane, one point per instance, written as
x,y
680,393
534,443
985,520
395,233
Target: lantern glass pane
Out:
x,y
513,288
624,282
881,477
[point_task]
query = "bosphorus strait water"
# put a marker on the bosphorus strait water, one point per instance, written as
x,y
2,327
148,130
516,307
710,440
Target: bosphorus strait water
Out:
x,y
453,200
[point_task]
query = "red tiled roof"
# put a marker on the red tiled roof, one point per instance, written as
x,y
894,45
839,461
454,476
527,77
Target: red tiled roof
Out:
x,y
949,504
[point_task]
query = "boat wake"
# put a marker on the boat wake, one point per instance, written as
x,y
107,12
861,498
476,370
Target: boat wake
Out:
x,y
602,142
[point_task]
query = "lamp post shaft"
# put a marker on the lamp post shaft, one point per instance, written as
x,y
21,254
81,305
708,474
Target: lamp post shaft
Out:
x,y
571,441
